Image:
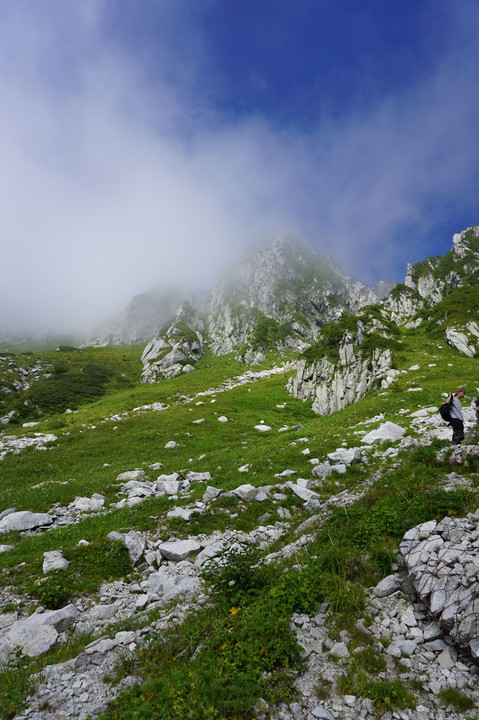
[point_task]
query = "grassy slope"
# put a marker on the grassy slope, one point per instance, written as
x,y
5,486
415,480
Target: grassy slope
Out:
x,y
138,440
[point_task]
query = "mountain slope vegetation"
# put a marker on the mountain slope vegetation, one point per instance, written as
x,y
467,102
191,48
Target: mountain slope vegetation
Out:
x,y
352,550
293,544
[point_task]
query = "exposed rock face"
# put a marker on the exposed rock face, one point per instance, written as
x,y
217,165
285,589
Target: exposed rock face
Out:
x,y
442,561
279,297
428,282
403,305
335,386
289,283
465,340
177,350
140,320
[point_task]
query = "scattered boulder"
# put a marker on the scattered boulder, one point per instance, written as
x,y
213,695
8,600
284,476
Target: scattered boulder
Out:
x,y
37,633
85,504
211,493
195,477
466,340
345,456
322,470
246,492
54,560
387,586
179,550
131,475
387,431
24,520
135,544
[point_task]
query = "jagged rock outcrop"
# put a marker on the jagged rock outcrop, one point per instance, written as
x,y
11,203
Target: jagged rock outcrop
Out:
x,y
278,297
334,385
428,282
441,559
177,350
402,305
140,320
282,295
465,340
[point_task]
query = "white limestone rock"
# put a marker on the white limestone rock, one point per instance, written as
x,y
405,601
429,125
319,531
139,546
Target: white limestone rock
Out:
x,y
102,612
211,493
179,550
37,633
246,492
85,504
387,431
135,544
131,475
54,560
387,586
24,520
33,640
196,477
183,513
333,387
345,456
322,470
462,341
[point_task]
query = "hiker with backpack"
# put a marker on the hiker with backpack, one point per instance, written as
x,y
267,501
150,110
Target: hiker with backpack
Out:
x,y
475,405
451,411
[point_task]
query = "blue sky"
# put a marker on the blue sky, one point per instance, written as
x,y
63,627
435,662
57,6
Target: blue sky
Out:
x,y
150,142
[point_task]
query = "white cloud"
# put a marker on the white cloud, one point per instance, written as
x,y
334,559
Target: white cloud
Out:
x,y
111,184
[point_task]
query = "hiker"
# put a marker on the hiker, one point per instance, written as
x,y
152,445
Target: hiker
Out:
x,y
475,405
457,419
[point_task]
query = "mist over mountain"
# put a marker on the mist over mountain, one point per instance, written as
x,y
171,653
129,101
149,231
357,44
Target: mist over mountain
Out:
x,y
140,320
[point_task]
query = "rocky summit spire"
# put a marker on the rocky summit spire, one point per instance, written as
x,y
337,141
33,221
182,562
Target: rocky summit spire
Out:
x,y
278,296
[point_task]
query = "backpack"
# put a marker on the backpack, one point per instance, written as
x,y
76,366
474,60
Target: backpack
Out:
x,y
445,410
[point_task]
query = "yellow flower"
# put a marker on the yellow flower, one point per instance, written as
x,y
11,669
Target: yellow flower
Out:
x,y
234,610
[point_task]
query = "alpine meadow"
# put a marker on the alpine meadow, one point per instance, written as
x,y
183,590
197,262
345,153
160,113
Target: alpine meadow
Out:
x,y
246,505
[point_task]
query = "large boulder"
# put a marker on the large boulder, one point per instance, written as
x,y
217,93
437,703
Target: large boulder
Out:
x,y
386,431
443,566
465,340
24,520
179,550
37,633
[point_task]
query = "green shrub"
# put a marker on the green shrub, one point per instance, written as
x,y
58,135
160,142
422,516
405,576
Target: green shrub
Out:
x,y
457,699
15,685
388,694
90,565
267,333
55,591
236,576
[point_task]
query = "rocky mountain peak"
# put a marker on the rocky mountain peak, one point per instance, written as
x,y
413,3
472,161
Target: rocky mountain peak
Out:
x,y
279,296
463,242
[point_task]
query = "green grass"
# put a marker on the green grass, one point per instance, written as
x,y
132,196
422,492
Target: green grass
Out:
x,y
352,550
456,699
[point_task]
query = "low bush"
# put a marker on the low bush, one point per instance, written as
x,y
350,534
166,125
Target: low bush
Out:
x,y
453,697
89,566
